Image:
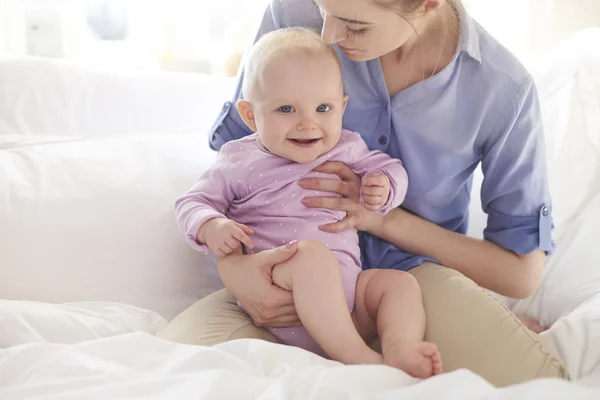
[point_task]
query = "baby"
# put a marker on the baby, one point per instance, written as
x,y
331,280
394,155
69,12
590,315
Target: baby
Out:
x,y
294,102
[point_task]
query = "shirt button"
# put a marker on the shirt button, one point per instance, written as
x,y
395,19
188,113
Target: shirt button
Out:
x,y
545,211
382,140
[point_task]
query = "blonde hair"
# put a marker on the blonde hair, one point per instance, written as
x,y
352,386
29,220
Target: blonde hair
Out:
x,y
409,7
287,41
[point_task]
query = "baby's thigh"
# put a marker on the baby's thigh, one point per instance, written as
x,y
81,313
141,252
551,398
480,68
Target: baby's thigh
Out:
x,y
312,257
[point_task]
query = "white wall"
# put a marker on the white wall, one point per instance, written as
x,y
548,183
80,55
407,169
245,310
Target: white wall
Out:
x,y
528,27
201,34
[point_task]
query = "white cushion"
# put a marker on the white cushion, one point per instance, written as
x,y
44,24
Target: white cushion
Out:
x,y
93,219
569,83
33,322
42,96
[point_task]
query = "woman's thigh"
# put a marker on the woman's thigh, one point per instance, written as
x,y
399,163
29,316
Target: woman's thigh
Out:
x,y
214,319
473,330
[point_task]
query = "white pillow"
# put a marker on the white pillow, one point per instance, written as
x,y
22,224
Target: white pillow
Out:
x,y
30,322
570,94
93,220
42,96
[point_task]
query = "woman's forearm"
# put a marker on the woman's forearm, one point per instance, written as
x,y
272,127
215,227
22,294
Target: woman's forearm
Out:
x,y
486,263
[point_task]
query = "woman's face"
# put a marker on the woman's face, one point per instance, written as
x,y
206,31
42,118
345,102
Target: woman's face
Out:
x,y
362,29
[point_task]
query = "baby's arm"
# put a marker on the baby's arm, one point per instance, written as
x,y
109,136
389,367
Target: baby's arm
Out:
x,y
201,211
384,179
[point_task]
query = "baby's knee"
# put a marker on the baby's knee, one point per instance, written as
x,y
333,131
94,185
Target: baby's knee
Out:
x,y
315,254
399,280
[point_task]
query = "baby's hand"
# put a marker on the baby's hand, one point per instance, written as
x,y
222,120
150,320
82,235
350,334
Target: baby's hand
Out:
x,y
375,190
222,236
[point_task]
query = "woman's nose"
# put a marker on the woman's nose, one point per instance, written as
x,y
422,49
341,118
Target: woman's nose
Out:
x,y
331,32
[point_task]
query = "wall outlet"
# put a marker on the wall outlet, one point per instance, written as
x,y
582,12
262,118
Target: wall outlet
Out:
x,y
44,33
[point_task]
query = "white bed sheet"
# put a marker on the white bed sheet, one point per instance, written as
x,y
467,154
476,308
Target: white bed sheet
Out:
x,y
140,366
96,357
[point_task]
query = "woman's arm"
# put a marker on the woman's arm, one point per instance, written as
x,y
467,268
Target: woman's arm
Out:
x,y
486,263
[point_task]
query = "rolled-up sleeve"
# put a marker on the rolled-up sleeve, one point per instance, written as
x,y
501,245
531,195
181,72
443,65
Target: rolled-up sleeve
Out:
x,y
515,194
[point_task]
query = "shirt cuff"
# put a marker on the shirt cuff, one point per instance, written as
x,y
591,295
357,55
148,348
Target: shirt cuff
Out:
x,y
522,234
192,232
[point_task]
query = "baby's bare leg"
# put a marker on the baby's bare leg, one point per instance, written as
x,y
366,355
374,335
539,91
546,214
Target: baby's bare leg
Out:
x,y
313,276
391,300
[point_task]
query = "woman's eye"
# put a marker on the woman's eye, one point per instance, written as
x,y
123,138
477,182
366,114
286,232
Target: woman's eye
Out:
x,y
352,32
286,109
323,108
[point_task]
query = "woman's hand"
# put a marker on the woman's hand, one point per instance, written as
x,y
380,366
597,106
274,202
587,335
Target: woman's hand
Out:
x,y
249,279
348,187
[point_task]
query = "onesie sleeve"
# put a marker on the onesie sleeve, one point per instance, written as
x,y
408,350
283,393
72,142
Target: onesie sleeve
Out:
x,y
209,198
515,194
365,161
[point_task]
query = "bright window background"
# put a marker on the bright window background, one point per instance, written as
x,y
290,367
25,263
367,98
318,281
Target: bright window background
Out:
x,y
208,36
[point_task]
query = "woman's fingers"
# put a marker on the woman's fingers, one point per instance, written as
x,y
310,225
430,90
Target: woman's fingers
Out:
x,y
326,185
346,223
338,168
331,203
284,316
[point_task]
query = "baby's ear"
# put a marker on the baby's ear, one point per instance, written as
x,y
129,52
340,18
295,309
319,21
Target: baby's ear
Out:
x,y
245,109
346,97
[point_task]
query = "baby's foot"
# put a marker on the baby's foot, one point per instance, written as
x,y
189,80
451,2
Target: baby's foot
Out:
x,y
419,359
532,324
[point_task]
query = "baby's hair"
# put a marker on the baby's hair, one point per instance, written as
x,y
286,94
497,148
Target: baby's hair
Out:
x,y
289,41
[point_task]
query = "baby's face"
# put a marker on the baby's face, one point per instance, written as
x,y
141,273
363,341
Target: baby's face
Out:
x,y
299,107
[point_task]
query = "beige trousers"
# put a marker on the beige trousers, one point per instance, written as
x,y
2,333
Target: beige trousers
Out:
x,y
471,328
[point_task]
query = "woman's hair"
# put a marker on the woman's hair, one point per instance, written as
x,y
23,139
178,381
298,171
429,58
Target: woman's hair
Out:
x,y
408,8
289,41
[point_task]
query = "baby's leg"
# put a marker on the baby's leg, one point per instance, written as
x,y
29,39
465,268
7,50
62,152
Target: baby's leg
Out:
x,y
313,276
392,301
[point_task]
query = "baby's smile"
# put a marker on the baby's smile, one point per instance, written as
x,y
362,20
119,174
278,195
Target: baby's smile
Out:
x,y
305,142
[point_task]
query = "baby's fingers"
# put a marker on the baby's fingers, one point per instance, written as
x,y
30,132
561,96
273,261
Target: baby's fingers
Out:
x,y
375,179
240,235
372,200
230,244
245,229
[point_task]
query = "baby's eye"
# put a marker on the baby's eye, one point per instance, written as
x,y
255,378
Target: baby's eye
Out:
x,y
286,109
323,108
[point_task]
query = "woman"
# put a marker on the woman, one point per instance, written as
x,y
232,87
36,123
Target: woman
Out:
x,y
430,86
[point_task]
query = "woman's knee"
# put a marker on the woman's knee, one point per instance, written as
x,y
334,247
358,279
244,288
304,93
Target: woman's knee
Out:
x,y
212,320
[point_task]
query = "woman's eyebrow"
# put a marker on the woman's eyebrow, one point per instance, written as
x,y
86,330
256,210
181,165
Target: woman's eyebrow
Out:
x,y
348,20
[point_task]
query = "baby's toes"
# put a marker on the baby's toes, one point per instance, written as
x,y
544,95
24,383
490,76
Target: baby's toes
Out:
x,y
436,360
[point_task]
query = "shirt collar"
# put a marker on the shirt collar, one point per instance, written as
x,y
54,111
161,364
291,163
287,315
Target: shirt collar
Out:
x,y
469,35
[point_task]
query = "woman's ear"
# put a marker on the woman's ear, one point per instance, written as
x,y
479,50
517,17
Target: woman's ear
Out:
x,y
245,109
433,5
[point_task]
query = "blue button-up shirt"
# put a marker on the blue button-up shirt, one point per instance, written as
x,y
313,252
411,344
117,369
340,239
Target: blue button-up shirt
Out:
x,y
482,108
